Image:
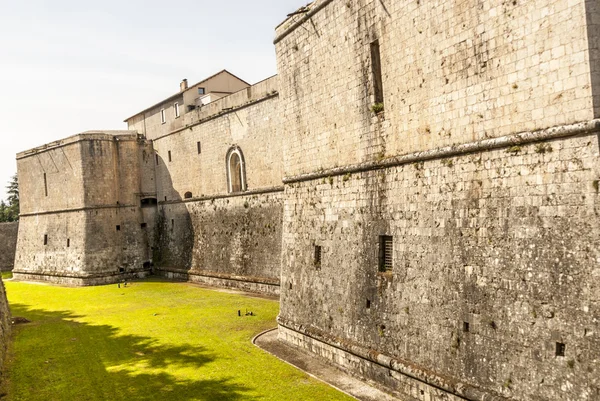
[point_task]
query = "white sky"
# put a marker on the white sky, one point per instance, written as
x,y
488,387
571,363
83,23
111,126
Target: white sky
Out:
x,y
71,66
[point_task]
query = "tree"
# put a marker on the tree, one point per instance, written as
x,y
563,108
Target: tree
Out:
x,y
10,211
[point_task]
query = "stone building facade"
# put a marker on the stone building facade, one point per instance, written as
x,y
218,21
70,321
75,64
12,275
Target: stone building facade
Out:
x,y
419,184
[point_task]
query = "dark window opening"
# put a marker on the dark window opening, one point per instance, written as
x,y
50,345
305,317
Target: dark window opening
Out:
x,y
290,285
118,228
121,270
172,224
236,174
148,202
466,327
386,253
169,156
201,91
235,168
560,349
187,195
376,69
68,242
165,198
199,145
368,304
147,265
156,157
45,239
45,185
317,257
144,225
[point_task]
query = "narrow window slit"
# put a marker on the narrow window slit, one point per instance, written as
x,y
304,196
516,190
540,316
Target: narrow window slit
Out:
x,y
560,349
376,69
317,257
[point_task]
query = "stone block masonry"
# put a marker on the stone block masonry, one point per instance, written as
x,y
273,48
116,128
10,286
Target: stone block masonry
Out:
x,y
233,241
419,183
82,220
494,270
441,191
8,244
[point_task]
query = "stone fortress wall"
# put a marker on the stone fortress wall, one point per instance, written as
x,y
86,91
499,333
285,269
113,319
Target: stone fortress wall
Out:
x,y
214,235
81,219
444,246
419,183
8,243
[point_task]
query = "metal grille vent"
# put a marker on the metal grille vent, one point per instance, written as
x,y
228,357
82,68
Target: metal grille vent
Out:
x,y
386,253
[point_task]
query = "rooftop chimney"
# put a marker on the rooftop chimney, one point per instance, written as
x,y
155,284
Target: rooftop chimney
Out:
x,y
183,85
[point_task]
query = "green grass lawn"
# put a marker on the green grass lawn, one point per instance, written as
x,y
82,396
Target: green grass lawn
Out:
x,y
150,341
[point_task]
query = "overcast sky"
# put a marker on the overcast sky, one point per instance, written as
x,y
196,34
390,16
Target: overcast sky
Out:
x,y
71,66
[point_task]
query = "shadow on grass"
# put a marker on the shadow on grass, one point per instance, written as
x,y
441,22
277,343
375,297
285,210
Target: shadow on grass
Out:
x,y
58,358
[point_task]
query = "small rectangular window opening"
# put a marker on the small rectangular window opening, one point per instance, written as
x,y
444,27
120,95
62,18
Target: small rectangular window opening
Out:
x,y
170,156
376,70
68,242
163,118
176,109
317,258
143,225
45,185
199,147
560,349
201,91
118,228
368,304
156,157
45,239
172,224
386,253
466,327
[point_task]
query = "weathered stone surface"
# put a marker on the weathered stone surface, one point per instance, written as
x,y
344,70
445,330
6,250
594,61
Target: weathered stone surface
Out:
x,y
8,244
82,220
472,176
483,169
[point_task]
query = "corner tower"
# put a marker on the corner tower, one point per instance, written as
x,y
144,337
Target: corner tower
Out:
x,y
87,210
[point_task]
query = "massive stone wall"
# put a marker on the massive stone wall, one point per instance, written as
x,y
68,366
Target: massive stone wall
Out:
x,y
493,266
481,177
205,232
8,244
452,72
81,218
231,241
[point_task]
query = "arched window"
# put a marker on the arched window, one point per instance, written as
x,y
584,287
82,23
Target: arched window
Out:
x,y
236,170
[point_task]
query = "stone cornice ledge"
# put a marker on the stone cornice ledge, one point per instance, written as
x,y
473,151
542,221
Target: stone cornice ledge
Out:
x,y
301,21
448,385
205,198
522,138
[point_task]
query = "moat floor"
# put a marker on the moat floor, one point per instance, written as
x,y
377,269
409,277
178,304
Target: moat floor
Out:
x,y
152,340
